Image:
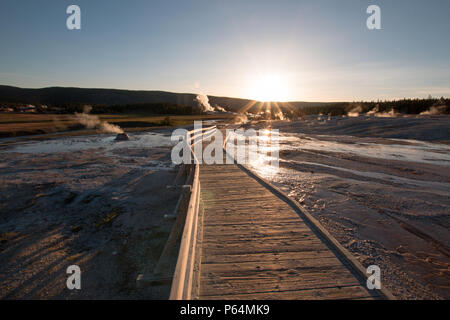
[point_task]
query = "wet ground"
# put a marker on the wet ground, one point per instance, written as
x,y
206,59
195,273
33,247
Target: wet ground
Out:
x,y
88,201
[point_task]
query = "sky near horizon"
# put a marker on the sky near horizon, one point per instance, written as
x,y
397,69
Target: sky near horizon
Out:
x,y
309,50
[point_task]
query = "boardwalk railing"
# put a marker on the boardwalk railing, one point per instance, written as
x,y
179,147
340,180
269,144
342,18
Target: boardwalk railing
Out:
x,y
183,277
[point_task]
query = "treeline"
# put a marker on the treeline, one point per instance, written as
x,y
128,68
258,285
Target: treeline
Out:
x,y
406,106
148,108
290,110
144,108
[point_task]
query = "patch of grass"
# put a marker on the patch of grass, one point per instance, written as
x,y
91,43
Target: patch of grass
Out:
x,y
107,220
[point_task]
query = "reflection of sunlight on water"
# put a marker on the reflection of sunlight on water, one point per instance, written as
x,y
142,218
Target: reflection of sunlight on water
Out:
x,y
263,164
410,150
136,153
264,159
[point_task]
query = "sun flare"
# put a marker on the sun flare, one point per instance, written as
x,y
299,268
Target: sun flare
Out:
x,y
269,87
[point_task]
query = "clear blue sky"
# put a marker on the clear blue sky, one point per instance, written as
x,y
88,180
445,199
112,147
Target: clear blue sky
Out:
x,y
318,50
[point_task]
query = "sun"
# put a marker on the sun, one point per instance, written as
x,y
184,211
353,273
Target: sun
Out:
x,y
269,87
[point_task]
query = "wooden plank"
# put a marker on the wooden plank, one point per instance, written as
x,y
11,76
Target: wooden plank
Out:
x,y
251,214
233,191
249,237
249,205
269,256
236,196
278,210
243,219
227,182
275,210
230,285
332,293
261,247
292,266
254,229
318,273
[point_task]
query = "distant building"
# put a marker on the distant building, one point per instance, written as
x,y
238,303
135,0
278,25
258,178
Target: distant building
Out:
x,y
27,108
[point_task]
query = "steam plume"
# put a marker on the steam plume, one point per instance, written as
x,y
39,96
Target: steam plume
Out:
x,y
355,111
219,108
203,102
389,114
240,119
93,122
434,110
280,115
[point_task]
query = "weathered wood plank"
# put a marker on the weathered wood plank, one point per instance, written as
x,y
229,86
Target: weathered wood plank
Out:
x,y
269,256
256,230
249,237
317,273
278,210
253,215
219,221
332,293
272,283
247,197
292,266
261,246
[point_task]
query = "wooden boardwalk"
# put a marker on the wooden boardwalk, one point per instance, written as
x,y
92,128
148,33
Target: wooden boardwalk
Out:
x,y
254,245
243,238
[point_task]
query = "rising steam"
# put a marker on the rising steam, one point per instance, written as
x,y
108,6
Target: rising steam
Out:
x,y
219,108
280,115
240,119
93,122
389,114
376,112
434,110
203,102
355,111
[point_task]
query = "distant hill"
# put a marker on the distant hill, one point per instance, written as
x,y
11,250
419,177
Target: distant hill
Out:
x,y
65,95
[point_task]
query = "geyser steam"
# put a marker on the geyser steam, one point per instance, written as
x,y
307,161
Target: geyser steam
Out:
x,y
203,102
93,122
434,110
